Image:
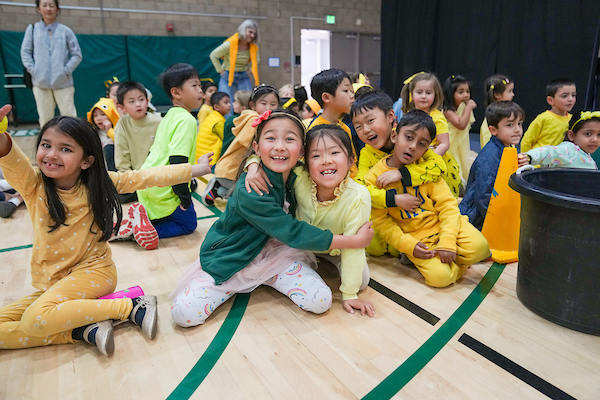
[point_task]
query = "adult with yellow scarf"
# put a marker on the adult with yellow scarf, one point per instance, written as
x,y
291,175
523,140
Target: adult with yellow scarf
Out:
x,y
231,59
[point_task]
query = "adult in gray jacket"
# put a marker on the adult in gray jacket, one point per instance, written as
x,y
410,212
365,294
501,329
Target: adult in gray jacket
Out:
x,y
50,52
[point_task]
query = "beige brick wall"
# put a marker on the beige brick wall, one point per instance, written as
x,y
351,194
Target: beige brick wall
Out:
x,y
274,30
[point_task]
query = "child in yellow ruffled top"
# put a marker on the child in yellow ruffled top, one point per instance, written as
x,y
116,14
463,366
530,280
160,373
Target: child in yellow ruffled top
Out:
x,y
436,238
497,88
423,91
548,128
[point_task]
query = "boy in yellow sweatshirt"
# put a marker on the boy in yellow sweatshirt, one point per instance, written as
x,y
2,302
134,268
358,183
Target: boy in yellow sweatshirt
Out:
x,y
436,238
210,134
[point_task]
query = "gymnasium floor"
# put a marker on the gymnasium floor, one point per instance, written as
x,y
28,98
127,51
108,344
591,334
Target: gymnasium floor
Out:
x,y
472,340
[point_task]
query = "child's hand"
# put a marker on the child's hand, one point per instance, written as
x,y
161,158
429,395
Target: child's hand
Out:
x,y
471,104
365,306
407,202
388,177
203,166
105,125
446,256
422,251
257,179
364,235
523,159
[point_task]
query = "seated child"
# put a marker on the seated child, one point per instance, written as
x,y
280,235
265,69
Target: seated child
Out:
x,y
263,98
333,91
135,131
241,102
286,91
210,134
257,241
289,103
111,90
208,89
104,116
373,119
9,198
548,128
309,111
169,211
581,141
505,121
436,238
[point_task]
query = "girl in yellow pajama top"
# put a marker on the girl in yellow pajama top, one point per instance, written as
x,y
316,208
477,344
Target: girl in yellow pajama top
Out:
x,y
71,199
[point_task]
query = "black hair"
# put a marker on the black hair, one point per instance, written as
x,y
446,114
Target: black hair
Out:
x,y
495,84
207,84
555,84
175,76
420,119
113,84
575,125
300,95
262,90
37,4
127,86
101,192
217,97
450,86
499,110
327,82
370,101
333,132
362,91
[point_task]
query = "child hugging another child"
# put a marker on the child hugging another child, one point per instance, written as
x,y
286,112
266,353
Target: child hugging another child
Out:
x,y
373,119
263,98
497,88
436,238
104,117
505,120
548,128
423,91
257,241
210,133
580,141
458,110
135,132
72,200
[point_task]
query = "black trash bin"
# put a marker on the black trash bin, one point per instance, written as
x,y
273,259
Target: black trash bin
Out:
x,y
559,246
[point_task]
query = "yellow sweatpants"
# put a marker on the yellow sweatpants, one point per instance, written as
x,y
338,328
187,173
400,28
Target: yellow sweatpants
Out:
x,y
48,317
472,247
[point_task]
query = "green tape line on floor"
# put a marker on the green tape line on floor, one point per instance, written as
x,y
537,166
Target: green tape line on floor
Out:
x,y
415,363
27,246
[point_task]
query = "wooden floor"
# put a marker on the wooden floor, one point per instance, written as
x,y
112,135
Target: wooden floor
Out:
x,y
281,352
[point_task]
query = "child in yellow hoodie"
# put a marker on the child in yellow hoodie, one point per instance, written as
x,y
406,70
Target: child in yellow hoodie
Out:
x,y
104,116
436,238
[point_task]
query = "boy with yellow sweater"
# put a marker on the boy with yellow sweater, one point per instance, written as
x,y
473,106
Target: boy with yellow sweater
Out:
x,y
210,134
436,238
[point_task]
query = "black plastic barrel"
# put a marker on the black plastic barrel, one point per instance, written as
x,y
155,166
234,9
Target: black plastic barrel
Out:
x,y
559,246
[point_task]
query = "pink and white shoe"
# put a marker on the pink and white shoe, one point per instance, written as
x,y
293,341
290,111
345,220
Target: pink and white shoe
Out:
x,y
125,231
143,232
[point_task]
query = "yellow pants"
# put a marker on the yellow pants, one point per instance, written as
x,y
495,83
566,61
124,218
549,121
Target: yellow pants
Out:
x,y
48,317
452,175
472,247
379,247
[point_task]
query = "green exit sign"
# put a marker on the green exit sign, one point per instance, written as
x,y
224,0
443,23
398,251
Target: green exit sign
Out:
x,y
330,19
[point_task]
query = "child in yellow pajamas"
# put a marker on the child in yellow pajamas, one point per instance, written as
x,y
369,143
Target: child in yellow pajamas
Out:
x,y
436,238
71,200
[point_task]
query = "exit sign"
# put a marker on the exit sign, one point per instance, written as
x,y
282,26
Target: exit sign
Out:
x,y
330,19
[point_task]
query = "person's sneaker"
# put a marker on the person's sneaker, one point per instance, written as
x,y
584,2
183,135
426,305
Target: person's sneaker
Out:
x,y
125,231
144,315
210,193
101,334
143,232
7,209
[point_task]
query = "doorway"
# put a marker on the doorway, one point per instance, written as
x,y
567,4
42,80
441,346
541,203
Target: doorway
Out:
x,y
315,54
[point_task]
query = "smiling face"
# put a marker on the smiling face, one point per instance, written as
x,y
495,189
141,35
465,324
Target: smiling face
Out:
x,y
279,145
250,35
48,10
135,104
61,158
328,165
587,137
423,95
462,94
267,102
509,130
410,143
374,127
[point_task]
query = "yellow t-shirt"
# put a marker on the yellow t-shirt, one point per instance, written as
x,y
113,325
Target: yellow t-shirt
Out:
x,y
547,129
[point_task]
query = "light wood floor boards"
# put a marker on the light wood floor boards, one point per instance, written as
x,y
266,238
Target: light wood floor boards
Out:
x,y
282,352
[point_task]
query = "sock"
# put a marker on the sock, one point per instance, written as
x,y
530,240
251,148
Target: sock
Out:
x,y
77,334
4,185
139,315
15,201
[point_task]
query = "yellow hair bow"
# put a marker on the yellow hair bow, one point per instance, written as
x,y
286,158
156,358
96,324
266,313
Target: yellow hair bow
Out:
x,y
585,115
289,102
362,79
492,87
207,79
109,82
505,81
412,77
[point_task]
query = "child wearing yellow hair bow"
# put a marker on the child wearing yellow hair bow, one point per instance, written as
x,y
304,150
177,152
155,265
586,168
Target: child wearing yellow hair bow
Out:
x,y
497,88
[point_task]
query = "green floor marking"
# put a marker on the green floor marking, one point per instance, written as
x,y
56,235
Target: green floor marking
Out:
x,y
27,246
411,367
200,371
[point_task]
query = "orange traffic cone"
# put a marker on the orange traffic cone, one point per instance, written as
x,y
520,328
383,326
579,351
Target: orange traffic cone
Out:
x,y
503,221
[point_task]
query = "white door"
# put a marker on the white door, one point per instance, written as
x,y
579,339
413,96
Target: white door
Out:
x,y
314,54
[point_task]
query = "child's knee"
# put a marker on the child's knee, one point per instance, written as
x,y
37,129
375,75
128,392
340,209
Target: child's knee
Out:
x,y
440,277
186,314
35,323
320,302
